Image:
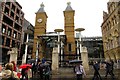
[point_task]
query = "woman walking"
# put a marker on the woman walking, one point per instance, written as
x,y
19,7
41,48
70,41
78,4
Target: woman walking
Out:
x,y
79,70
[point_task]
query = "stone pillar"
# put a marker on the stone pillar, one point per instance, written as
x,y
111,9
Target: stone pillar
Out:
x,y
84,58
23,58
55,60
13,55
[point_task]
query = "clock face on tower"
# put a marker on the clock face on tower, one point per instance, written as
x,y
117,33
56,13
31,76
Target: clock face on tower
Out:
x,y
39,20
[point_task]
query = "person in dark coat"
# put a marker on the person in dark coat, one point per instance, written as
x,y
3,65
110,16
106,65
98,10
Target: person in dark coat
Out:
x,y
33,69
47,73
40,70
109,68
96,67
24,73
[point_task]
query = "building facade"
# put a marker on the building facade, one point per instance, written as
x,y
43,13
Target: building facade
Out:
x,y
11,23
69,30
94,47
111,31
40,29
68,43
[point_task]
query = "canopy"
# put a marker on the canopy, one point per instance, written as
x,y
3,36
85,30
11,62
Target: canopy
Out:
x,y
75,61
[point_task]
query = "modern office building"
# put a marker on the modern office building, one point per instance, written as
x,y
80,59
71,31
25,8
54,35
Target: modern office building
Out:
x,y
111,30
11,23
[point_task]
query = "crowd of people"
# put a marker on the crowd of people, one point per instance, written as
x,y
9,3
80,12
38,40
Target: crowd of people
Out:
x,y
9,72
109,69
80,72
43,70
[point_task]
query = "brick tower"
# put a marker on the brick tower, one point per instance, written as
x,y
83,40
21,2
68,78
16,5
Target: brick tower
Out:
x,y
69,30
40,28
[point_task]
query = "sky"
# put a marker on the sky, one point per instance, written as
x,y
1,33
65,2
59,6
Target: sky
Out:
x,y
88,14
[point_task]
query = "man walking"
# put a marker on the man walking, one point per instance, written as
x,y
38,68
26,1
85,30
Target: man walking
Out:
x,y
109,68
96,67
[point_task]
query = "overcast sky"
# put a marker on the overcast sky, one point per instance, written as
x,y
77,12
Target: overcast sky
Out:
x,y
88,13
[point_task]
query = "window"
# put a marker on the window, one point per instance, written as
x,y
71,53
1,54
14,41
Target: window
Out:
x,y
9,32
3,40
3,30
15,34
19,36
69,47
13,43
8,42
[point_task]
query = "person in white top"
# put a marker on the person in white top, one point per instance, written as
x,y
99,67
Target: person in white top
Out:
x,y
79,70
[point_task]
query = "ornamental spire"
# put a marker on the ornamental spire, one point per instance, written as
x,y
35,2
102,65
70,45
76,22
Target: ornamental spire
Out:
x,y
41,8
68,8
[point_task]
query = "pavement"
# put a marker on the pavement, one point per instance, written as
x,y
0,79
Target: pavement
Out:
x,y
68,74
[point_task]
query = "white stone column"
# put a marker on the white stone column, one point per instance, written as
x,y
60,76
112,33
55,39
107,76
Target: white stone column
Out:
x,y
80,40
26,48
84,58
78,50
55,60
37,52
62,51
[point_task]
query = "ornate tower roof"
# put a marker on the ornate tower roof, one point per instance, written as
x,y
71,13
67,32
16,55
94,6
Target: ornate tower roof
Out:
x,y
68,8
41,8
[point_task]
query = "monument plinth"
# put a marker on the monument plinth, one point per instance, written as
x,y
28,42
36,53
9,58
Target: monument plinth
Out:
x,y
84,58
55,60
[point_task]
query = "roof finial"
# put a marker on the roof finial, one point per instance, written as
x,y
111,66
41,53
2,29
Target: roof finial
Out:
x,y
68,3
42,5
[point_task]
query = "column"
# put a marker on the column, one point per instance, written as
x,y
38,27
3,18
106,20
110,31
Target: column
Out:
x,y
84,58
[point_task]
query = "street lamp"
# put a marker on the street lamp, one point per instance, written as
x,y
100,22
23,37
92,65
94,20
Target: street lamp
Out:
x,y
79,30
58,31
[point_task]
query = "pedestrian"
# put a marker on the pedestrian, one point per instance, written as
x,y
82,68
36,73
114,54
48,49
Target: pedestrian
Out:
x,y
0,67
40,70
43,60
33,69
0,71
109,68
8,73
46,71
24,73
96,67
14,65
79,70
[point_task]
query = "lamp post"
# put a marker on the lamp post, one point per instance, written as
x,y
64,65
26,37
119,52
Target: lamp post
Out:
x,y
26,46
79,30
58,31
